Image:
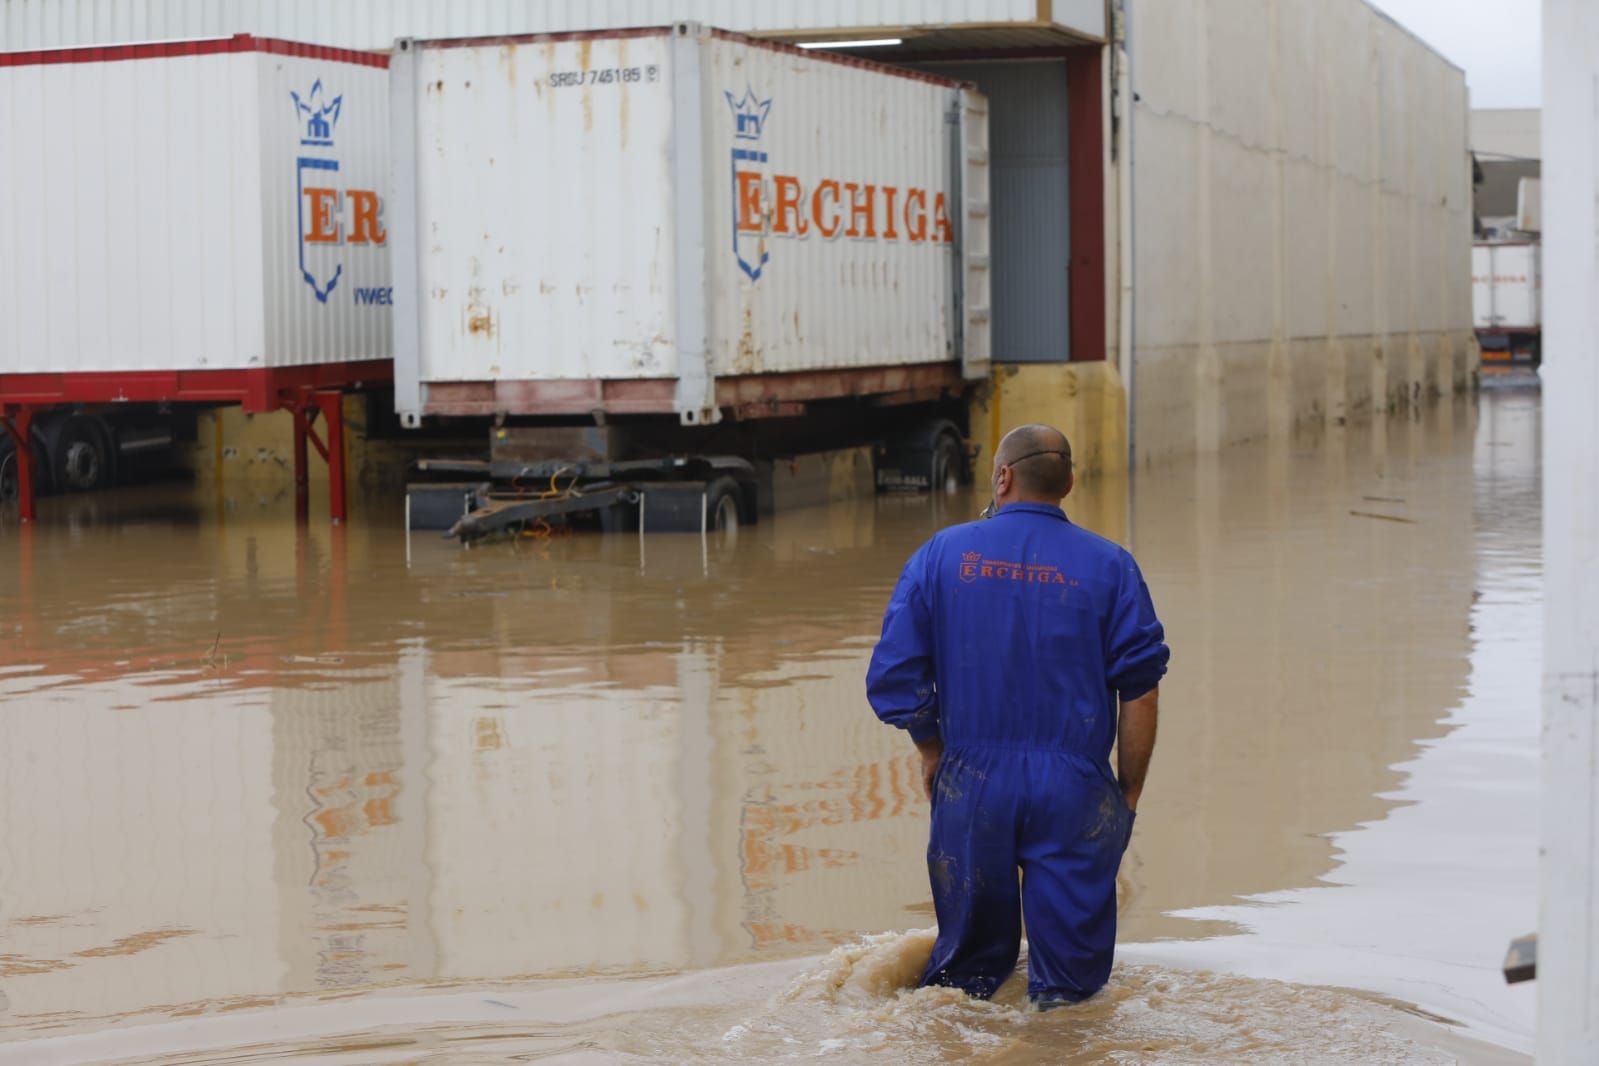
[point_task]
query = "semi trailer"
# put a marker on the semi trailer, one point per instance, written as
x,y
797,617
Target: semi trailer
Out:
x,y
192,223
664,265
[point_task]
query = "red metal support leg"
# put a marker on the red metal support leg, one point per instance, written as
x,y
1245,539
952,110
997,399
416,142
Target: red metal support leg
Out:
x,y
332,405
302,473
20,426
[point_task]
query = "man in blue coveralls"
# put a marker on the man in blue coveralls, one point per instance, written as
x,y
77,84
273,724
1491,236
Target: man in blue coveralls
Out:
x,y
1006,649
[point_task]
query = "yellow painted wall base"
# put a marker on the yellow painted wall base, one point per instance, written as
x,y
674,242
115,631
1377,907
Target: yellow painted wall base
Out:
x,y
235,450
1086,401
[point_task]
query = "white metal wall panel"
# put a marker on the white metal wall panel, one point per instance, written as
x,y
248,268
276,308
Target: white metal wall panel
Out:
x,y
545,211
785,295
327,288
131,238
368,24
149,220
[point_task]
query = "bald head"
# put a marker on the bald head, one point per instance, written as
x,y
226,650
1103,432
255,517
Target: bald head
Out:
x,y
1040,462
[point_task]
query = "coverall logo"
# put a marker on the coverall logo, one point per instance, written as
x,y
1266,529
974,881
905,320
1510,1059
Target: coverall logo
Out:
x,y
974,568
767,205
328,216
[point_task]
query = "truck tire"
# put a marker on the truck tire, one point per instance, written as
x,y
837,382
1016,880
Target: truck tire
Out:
x,y
8,467
723,510
947,467
79,449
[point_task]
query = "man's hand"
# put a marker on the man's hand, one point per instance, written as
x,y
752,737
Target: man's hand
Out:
x,y
932,751
1135,743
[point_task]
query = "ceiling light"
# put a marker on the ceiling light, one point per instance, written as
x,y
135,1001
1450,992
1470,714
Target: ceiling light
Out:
x,y
875,42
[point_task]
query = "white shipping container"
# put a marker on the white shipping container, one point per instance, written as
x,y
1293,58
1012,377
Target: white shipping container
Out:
x,y
671,206
1506,286
198,205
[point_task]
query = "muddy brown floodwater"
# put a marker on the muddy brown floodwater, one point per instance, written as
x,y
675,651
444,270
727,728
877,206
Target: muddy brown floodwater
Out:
x,y
271,794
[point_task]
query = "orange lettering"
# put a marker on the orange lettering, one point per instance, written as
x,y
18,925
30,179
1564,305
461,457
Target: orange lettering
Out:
x,y
365,227
324,224
816,207
916,223
889,192
788,206
859,209
987,571
749,201
941,227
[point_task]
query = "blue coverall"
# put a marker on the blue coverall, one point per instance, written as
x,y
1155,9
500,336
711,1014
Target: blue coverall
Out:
x,y
1012,638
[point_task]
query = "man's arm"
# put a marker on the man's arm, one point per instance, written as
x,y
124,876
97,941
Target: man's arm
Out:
x,y
900,680
1135,743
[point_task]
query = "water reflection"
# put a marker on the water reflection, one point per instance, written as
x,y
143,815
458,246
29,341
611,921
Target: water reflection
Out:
x,y
243,762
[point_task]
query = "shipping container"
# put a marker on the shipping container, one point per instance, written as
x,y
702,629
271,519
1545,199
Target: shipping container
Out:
x,y
200,205
678,221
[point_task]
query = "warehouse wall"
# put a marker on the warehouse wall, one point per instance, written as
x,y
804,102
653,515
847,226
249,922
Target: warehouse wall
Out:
x,y
1302,219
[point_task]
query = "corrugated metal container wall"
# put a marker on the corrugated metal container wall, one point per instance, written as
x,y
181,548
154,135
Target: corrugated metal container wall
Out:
x,y
130,215
844,256
328,292
164,211
545,211
551,180
378,23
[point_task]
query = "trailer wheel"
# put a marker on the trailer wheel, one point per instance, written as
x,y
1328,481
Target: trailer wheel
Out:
x,y
8,467
947,469
722,510
80,454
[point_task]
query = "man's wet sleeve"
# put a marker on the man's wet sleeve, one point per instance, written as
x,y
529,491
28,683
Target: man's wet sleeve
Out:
x,y
1136,652
900,681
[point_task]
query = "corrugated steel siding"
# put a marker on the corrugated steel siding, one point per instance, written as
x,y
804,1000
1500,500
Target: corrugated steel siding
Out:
x,y
1031,205
147,224
371,24
876,297
545,219
546,213
130,207
354,321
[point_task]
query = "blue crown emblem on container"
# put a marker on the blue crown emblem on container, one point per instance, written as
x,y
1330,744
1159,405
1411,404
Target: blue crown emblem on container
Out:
x,y
320,116
749,114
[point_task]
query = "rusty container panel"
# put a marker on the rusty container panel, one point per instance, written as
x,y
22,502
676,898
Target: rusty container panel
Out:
x,y
663,207
170,207
543,224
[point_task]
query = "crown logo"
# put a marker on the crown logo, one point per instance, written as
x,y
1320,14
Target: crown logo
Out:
x,y
319,116
749,114
971,557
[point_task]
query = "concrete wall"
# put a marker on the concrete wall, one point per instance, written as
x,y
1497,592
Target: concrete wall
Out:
x,y
1506,131
1302,225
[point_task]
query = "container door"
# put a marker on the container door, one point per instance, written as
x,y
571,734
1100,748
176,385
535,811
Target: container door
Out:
x,y
973,281
1514,277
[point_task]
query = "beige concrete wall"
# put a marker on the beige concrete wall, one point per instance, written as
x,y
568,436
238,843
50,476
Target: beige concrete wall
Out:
x,y
1302,220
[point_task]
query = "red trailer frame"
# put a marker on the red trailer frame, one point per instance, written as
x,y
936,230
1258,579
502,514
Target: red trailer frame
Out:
x,y
304,391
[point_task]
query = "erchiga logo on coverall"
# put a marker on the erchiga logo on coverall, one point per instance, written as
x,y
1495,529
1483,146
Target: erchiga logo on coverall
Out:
x,y
786,205
973,568
330,217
